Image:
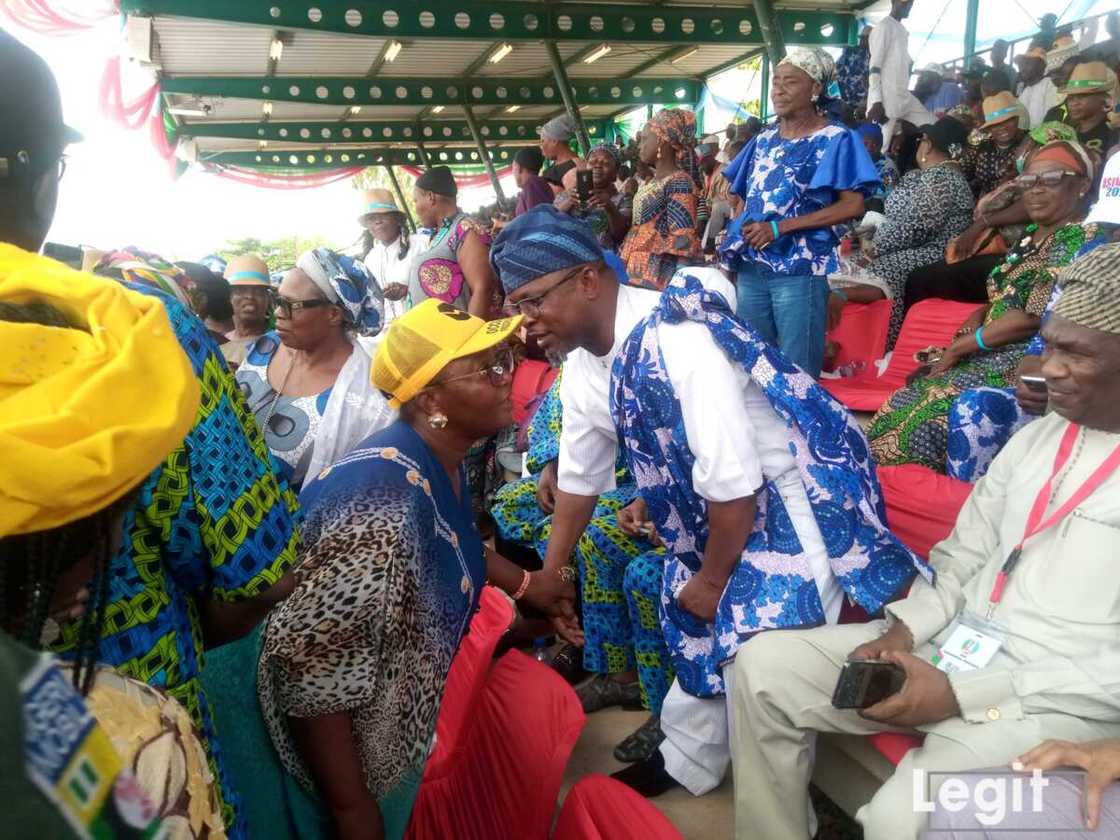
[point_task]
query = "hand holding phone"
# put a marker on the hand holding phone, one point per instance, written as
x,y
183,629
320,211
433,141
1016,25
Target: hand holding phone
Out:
x,y
585,183
1037,384
865,682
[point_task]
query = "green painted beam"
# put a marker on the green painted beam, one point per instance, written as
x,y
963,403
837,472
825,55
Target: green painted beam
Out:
x,y
336,159
373,131
510,20
358,90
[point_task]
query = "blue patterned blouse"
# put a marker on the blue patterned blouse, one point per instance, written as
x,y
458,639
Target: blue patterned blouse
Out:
x,y
782,179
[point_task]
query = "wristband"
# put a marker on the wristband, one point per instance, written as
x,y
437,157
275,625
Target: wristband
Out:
x,y
520,593
774,228
979,334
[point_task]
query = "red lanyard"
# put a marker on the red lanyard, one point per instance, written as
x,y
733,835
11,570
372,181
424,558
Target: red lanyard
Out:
x,y
1035,525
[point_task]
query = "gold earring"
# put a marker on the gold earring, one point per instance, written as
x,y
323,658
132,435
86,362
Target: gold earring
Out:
x,y
438,420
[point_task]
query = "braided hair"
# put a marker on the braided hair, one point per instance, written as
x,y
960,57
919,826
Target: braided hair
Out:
x,y
32,564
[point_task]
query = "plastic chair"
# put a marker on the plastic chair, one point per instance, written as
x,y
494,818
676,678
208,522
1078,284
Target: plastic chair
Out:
x,y
861,334
922,505
599,808
929,323
508,761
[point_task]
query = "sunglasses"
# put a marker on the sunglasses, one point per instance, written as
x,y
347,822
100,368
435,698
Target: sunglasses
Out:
x,y
496,371
1050,180
286,306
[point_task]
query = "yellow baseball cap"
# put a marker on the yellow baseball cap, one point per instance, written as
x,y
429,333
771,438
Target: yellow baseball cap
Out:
x,y
427,338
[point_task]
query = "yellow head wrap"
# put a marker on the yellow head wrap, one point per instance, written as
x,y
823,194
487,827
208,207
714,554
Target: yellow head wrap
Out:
x,y
85,414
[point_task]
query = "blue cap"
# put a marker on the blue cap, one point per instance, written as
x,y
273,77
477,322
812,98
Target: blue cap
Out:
x,y
540,242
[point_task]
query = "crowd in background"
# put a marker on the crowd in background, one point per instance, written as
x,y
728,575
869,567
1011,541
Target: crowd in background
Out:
x,y
256,518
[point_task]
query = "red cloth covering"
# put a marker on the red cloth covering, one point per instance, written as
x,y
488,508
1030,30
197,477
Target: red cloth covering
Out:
x,y
894,745
930,323
861,333
499,757
599,808
922,505
530,380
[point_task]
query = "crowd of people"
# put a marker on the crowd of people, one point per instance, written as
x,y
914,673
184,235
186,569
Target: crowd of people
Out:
x,y
249,521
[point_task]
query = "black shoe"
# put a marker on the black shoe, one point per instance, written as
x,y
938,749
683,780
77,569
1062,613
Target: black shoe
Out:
x,y
568,663
641,743
647,777
602,692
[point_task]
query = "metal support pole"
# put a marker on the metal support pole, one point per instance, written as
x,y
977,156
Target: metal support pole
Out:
x,y
566,94
468,112
771,28
400,197
971,18
423,154
764,95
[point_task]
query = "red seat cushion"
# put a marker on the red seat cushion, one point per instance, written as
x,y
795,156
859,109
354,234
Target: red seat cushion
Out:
x,y
894,745
599,808
530,380
928,323
922,505
862,333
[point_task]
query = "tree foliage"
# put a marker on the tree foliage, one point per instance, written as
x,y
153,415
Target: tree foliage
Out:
x,y
280,254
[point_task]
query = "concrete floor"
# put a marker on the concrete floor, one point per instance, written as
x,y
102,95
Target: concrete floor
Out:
x,y
708,817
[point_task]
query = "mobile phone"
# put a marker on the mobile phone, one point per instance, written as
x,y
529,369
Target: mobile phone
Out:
x,y
1035,383
585,182
866,682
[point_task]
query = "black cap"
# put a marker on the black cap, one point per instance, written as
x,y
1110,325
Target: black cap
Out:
x,y
30,105
946,133
439,180
531,158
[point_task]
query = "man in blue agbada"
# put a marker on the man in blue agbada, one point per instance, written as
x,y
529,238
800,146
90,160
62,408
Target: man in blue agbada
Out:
x,y
758,482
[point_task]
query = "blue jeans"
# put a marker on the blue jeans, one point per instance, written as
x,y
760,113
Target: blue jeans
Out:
x,y
789,312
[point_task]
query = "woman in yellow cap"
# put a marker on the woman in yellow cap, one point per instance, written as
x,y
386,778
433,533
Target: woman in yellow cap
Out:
x,y
352,665
94,393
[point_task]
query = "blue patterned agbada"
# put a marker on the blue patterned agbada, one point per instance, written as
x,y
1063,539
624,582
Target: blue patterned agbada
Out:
x,y
772,586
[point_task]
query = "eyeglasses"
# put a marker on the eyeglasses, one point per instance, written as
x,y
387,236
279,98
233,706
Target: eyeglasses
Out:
x,y
497,371
286,306
531,307
22,158
1051,180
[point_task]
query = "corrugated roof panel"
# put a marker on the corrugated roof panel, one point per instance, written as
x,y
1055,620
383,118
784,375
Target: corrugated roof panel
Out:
x,y
529,58
323,53
190,47
435,58
699,63
616,64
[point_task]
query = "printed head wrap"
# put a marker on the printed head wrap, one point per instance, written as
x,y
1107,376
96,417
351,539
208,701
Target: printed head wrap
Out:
x,y
561,129
88,411
135,266
609,149
675,126
540,242
1068,153
815,62
1091,290
346,283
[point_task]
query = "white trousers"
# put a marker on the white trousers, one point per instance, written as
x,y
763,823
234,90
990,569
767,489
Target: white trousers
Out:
x,y
910,110
697,730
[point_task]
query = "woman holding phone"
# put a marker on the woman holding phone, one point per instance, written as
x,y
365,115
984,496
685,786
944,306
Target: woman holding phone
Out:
x,y
663,236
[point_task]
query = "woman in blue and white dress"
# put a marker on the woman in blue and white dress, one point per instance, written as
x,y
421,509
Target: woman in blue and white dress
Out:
x,y
307,382
798,180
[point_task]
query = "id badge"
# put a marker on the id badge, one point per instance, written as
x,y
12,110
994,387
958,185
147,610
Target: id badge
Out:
x,y
972,644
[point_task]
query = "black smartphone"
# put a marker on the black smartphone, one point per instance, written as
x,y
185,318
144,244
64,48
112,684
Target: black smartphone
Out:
x,y
585,183
865,682
1035,383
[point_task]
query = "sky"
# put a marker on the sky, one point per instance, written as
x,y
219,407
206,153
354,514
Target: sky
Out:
x,y
117,191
